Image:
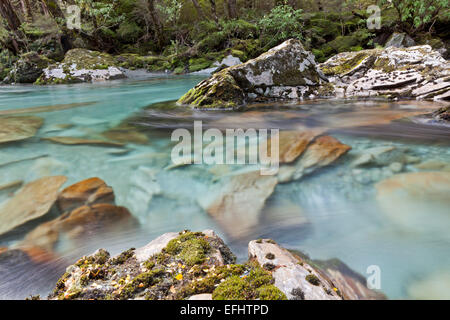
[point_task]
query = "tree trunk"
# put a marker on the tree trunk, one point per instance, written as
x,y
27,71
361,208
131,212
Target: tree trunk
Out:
x,y
13,24
156,23
199,9
232,9
8,13
214,10
27,10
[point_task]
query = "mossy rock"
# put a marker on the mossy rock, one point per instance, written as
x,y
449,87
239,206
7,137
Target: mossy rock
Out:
x,y
197,64
220,91
256,284
87,59
29,67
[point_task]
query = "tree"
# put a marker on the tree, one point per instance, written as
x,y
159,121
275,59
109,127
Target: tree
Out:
x,y
232,9
214,10
199,9
416,15
13,23
27,10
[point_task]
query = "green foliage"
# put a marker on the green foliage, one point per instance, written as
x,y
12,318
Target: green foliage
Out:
x,y
418,13
129,30
282,23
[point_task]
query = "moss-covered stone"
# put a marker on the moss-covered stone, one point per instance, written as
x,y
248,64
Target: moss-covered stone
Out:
x,y
191,248
256,283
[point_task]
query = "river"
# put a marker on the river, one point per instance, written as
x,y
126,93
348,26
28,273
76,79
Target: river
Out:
x,y
331,213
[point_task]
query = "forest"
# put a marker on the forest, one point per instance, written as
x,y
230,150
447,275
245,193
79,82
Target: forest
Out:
x,y
191,34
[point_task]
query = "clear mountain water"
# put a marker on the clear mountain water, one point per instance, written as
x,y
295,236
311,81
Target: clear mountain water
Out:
x,y
332,213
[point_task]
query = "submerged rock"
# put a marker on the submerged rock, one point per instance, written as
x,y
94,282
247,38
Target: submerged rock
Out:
x,y
293,143
81,65
15,128
287,71
417,201
93,219
434,286
83,141
86,192
33,201
237,205
323,151
51,108
415,72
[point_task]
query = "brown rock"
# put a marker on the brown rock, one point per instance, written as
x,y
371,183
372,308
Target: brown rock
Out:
x,y
72,226
293,143
33,201
82,141
323,151
18,128
11,185
56,107
86,192
128,135
320,153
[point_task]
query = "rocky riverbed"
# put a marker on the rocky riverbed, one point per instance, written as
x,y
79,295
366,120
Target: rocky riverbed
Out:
x,y
289,72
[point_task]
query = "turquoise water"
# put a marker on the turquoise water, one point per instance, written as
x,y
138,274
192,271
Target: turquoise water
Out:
x,y
332,213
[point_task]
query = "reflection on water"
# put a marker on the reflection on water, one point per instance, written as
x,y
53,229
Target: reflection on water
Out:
x,y
350,210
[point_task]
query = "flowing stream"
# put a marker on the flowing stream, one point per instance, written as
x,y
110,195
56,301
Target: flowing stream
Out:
x,y
331,213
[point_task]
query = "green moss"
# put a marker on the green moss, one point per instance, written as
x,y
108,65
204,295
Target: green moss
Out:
x,y
123,257
234,288
197,64
209,281
270,292
140,283
61,284
312,279
149,264
189,247
257,284
346,64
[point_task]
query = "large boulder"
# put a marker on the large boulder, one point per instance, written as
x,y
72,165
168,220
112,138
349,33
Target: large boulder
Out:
x,y
399,40
297,279
287,71
28,68
31,202
81,65
199,266
415,72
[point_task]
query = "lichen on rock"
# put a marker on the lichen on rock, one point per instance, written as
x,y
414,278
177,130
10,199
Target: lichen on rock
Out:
x,y
82,65
287,71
